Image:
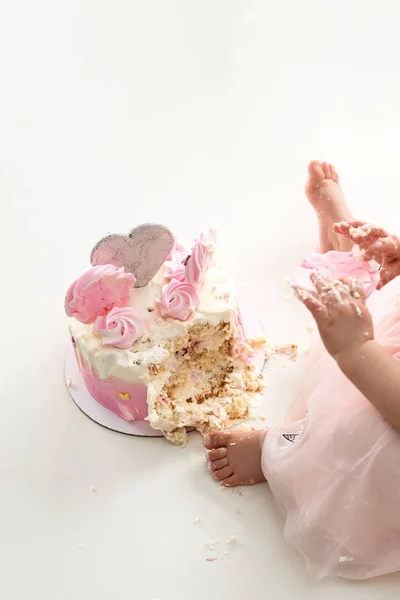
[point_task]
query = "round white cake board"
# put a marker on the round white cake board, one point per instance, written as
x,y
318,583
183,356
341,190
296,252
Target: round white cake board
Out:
x,y
104,417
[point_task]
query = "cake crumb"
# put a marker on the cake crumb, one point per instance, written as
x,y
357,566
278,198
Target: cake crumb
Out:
x,y
232,540
150,309
306,350
68,382
310,327
197,520
238,511
289,350
211,558
82,547
345,559
93,489
361,231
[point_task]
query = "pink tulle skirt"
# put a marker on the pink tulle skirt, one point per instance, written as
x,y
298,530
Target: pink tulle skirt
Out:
x,y
334,465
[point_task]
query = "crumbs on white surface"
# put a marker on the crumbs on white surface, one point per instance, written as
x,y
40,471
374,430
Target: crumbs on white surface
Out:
x,y
211,543
232,540
68,382
238,511
211,558
196,459
197,520
93,489
346,559
82,547
289,350
306,350
310,327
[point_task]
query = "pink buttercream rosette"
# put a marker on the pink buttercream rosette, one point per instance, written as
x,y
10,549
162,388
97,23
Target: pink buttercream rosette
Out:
x,y
175,268
120,328
179,300
97,291
335,265
177,248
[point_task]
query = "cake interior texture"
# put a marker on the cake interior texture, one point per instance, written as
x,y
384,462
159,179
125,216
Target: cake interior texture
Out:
x,y
203,384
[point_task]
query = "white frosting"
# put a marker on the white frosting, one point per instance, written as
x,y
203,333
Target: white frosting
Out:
x,y
217,304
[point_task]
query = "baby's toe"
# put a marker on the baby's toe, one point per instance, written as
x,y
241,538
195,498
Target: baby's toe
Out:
x,y
216,440
217,454
224,473
220,464
231,481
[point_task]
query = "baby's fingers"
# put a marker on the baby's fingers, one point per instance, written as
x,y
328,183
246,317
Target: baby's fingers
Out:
x,y
361,233
355,288
388,273
343,227
386,248
313,304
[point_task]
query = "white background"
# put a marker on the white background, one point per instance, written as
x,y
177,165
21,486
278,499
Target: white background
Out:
x,y
188,113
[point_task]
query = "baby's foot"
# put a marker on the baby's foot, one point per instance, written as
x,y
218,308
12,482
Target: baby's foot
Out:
x,y
326,197
235,458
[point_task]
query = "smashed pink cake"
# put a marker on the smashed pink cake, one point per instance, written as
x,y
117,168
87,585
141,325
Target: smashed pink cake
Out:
x,y
158,334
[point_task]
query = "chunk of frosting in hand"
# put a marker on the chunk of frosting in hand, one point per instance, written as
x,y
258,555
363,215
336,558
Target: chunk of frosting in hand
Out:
x,y
120,328
335,265
179,300
97,291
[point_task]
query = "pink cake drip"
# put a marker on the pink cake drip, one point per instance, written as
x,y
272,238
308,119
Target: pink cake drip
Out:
x,y
126,399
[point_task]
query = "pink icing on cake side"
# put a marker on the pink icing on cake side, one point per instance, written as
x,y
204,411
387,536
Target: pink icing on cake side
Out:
x,y
127,399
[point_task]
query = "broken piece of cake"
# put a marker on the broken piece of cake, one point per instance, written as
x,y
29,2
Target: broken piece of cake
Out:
x,y
158,334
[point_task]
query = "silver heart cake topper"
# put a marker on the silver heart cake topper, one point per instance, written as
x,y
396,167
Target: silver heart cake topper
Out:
x,y
141,252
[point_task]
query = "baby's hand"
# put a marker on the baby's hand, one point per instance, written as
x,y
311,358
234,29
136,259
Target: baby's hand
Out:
x,y
339,309
377,244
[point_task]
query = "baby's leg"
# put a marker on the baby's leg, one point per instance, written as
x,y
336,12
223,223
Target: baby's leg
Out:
x,y
326,197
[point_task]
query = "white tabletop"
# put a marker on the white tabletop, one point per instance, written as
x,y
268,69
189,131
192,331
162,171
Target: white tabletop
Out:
x,y
188,113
